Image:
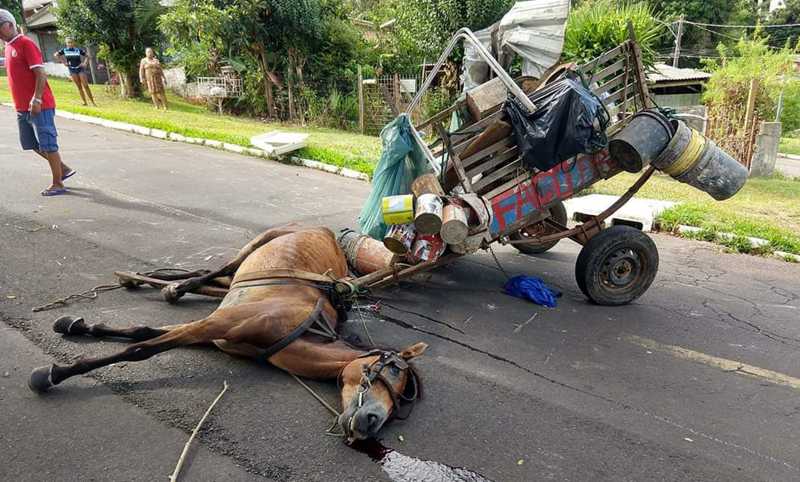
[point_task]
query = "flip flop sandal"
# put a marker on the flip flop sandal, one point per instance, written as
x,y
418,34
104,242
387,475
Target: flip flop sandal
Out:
x,y
54,192
68,175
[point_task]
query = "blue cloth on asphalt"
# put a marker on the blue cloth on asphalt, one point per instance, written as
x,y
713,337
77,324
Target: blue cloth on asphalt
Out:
x,y
532,288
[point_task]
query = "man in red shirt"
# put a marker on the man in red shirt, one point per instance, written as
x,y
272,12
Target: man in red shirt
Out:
x,y
33,100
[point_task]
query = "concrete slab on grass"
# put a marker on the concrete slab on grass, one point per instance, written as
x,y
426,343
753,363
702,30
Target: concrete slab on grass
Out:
x,y
277,143
636,212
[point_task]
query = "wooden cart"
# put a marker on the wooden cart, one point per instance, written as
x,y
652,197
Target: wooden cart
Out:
x,y
618,263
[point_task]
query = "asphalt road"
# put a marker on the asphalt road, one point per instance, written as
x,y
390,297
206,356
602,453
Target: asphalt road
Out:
x,y
697,380
787,166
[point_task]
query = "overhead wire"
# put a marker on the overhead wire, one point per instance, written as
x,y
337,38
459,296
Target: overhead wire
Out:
x,y
784,25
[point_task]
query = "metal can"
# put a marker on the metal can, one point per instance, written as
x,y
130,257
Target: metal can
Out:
x,y
400,238
427,247
398,209
428,218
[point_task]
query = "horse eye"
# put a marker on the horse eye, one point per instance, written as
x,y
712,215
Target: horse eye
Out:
x,y
394,370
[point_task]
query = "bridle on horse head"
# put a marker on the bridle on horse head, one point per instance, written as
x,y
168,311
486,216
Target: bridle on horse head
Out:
x,y
374,371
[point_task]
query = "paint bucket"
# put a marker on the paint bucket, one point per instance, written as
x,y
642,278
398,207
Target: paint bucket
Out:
x,y
693,159
427,247
398,209
400,238
428,216
641,141
364,254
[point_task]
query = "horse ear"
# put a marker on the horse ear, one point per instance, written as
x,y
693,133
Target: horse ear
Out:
x,y
413,351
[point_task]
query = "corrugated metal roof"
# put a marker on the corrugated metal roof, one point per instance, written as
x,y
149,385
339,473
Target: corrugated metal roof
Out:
x,y
666,73
42,18
32,4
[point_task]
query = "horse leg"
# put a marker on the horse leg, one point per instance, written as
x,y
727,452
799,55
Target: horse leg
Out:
x,y
43,378
67,325
175,291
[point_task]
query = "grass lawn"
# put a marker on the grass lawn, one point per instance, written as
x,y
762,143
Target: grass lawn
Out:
x,y
789,145
766,208
326,145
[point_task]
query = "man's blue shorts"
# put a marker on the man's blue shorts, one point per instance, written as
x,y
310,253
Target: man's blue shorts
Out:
x,y
38,132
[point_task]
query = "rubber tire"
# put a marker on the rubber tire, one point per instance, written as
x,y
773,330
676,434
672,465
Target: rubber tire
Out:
x,y
589,266
558,213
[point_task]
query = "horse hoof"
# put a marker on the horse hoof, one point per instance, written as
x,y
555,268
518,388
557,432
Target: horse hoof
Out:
x,y
39,381
69,325
170,294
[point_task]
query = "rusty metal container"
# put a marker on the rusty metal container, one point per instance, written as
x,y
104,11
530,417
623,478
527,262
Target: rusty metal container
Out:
x,y
364,254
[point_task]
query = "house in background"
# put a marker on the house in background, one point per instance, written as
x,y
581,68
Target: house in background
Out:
x,y
681,90
42,29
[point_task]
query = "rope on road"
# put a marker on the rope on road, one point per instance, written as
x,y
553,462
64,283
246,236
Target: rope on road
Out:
x,y
89,294
314,394
92,293
174,476
331,430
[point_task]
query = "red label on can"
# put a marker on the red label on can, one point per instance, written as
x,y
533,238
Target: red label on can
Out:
x,y
427,247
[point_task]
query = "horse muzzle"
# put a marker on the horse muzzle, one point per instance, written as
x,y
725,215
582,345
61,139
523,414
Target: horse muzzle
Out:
x,y
363,423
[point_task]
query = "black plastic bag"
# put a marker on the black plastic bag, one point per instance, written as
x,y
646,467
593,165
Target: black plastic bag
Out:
x,y
569,120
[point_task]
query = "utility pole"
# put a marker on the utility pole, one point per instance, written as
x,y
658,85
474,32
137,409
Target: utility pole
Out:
x,y
677,53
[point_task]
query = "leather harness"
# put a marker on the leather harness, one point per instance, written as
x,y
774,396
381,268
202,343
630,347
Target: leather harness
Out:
x,y
289,277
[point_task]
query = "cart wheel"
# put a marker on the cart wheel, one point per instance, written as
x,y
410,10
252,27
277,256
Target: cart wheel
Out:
x,y
558,213
616,266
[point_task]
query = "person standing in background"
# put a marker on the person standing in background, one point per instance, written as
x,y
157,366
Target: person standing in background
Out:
x,y
76,60
33,101
151,75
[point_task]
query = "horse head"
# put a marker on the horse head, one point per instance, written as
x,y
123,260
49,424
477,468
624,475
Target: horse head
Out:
x,y
375,387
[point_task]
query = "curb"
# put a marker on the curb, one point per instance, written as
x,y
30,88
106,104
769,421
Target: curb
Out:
x,y
754,242
225,146
341,171
793,157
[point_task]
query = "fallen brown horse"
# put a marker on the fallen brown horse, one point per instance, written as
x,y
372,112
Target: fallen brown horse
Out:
x,y
271,317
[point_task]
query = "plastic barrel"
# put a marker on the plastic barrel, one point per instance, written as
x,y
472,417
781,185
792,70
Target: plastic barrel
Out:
x,y
677,145
641,141
715,173
693,159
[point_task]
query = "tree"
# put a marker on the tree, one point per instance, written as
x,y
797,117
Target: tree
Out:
x,y
788,14
196,31
13,6
431,23
283,28
698,40
123,29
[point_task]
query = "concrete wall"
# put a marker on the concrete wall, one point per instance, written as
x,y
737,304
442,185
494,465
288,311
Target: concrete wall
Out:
x,y
766,150
679,100
55,69
176,80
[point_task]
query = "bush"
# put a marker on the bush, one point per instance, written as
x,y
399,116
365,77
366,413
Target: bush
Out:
x,y
753,59
435,101
597,26
335,110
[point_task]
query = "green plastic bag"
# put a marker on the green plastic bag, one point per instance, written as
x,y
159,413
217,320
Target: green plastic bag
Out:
x,y
401,162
